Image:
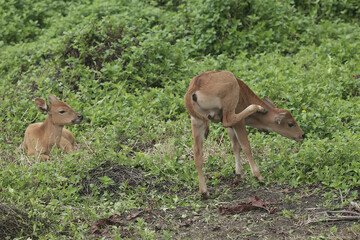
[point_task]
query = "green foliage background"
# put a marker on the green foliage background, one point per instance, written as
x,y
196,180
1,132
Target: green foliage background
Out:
x,y
126,65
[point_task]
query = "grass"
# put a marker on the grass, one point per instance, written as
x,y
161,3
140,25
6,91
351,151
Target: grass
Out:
x,y
126,67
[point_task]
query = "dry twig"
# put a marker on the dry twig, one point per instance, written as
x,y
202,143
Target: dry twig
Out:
x,y
330,216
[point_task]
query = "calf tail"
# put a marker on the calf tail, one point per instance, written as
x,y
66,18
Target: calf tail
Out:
x,y
190,99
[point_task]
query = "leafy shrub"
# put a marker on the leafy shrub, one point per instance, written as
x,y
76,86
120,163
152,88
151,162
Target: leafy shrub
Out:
x,y
23,21
126,65
343,9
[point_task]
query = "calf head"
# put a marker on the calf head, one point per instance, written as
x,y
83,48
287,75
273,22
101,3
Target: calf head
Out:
x,y
61,114
282,122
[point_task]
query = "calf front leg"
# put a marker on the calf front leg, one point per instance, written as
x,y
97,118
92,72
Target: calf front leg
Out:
x,y
198,130
241,135
65,145
236,149
44,157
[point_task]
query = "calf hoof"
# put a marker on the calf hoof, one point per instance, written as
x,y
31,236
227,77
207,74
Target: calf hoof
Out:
x,y
263,111
259,178
239,176
205,195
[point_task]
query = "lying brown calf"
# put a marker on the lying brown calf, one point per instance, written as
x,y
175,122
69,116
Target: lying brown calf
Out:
x,y
221,97
41,137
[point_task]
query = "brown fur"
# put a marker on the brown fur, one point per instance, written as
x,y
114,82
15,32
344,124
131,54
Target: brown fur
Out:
x,y
40,138
221,97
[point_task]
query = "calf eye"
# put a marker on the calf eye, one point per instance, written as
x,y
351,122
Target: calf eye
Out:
x,y
291,124
62,112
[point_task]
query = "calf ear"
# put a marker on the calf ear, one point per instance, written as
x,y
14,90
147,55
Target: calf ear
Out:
x,y
52,98
269,102
41,105
279,118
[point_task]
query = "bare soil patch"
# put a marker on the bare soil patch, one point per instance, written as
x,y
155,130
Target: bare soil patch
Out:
x,y
15,222
283,212
117,173
128,176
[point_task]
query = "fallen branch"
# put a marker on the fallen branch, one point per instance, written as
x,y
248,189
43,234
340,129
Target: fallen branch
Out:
x,y
330,216
135,215
254,202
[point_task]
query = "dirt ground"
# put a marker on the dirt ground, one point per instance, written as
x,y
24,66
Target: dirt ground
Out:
x,y
277,213
236,210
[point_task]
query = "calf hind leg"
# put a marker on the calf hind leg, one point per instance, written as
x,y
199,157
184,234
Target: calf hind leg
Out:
x,y
198,131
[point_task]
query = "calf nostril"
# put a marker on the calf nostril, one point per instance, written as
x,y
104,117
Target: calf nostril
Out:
x,y
80,116
303,136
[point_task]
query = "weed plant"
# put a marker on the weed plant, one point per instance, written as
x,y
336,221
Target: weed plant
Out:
x,y
126,65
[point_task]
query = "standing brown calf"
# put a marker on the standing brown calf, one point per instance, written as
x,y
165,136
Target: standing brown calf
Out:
x,y
221,97
41,137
